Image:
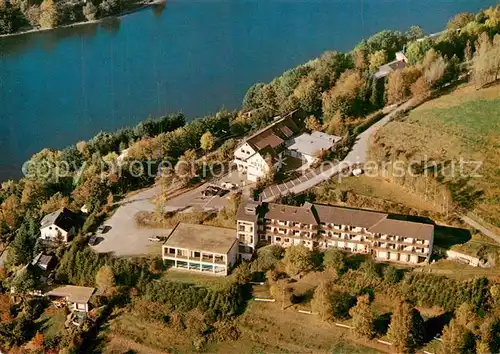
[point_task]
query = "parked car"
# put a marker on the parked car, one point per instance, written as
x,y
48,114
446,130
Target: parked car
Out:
x,y
222,192
210,191
93,240
103,229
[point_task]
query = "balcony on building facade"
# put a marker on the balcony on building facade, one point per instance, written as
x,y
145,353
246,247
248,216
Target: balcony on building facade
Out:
x,y
196,256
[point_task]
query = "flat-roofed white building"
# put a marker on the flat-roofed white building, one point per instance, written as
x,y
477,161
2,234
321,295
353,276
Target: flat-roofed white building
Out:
x,y
201,248
307,147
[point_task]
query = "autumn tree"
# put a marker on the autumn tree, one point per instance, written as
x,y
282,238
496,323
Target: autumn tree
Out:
x,y
328,68
363,318
416,50
55,202
105,280
406,329
486,61
420,89
270,173
38,341
434,69
331,303
312,123
186,168
334,258
297,260
460,20
207,141
414,33
360,58
6,308
394,89
34,192
345,97
90,11
399,83
49,16
377,59
456,339
11,211
308,94
465,316
489,332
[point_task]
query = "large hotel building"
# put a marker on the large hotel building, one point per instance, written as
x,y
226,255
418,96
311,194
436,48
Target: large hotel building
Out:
x,y
216,250
386,237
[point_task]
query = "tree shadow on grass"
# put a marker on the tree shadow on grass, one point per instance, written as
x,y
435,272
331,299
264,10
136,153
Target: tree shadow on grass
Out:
x,y
435,325
445,236
382,323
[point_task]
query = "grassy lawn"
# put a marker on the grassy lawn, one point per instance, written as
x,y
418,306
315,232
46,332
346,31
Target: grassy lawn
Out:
x,y
266,328
130,332
195,278
51,322
459,271
383,188
463,125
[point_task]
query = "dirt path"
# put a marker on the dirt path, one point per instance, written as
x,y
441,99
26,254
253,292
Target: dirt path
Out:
x,y
484,230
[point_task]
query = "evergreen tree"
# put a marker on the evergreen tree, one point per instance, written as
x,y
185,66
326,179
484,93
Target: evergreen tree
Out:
x,y
456,339
363,318
406,330
105,280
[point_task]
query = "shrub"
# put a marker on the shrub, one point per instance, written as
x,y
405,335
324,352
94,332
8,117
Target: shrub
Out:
x,y
297,260
392,275
334,258
331,303
267,258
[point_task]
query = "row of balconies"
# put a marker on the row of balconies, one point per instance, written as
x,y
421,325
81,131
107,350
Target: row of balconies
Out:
x,y
290,224
195,256
288,232
395,247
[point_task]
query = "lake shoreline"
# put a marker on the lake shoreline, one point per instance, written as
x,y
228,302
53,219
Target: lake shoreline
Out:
x,y
143,5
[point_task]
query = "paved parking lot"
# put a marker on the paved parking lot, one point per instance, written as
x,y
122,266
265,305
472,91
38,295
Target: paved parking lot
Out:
x,y
276,190
126,239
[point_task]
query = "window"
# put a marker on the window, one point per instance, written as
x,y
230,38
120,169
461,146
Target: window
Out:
x,y
278,239
287,240
241,227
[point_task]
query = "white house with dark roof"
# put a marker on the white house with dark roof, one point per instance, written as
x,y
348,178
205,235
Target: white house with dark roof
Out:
x,y
277,140
58,225
251,157
398,64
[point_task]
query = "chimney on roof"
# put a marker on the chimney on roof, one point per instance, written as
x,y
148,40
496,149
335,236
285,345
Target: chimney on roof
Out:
x,y
251,207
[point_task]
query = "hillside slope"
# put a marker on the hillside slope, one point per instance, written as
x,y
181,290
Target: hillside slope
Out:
x,y
435,137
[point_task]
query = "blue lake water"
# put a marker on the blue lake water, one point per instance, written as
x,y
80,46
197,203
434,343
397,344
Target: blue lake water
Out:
x,y
65,85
